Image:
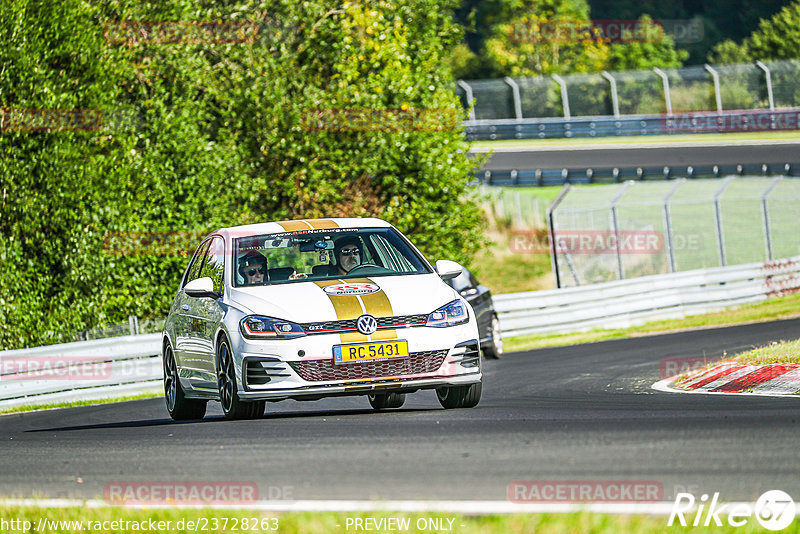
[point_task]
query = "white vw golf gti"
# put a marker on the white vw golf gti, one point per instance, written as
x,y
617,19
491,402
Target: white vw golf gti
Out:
x,y
316,308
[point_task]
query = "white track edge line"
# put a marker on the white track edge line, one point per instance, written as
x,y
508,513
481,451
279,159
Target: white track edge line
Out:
x,y
343,506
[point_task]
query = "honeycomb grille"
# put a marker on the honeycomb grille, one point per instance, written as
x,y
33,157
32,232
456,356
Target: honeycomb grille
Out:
x,y
417,362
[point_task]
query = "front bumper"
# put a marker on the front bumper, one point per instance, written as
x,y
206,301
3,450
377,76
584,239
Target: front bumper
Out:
x,y
303,368
359,388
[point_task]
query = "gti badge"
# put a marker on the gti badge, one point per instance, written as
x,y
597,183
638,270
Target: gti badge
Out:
x,y
367,324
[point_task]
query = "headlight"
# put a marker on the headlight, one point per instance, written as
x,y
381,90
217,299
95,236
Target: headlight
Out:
x,y
449,315
256,326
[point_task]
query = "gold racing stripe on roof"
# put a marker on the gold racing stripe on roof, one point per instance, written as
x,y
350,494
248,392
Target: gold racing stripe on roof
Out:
x,y
322,224
293,226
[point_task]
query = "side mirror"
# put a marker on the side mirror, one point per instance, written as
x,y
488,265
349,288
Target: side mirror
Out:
x,y
447,269
201,287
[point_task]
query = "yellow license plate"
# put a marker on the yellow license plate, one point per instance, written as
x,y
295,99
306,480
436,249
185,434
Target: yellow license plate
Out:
x,y
363,352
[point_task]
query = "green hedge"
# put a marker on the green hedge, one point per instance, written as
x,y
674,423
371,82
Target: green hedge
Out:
x,y
201,130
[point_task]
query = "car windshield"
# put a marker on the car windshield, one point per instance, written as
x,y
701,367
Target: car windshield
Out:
x,y
329,254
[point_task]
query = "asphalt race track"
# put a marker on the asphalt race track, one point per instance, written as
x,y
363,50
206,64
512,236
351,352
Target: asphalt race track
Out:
x,y
697,153
584,412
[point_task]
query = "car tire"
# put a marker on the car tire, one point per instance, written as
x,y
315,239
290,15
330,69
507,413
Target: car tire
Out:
x,y
459,396
232,406
382,401
179,407
494,348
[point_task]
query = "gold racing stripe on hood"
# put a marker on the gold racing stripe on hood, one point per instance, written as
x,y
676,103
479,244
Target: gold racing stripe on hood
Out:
x,y
346,306
353,306
322,224
378,305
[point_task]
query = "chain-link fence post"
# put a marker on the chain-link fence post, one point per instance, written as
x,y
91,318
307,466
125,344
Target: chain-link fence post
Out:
x,y
669,241
468,92
765,216
515,93
768,80
718,217
614,96
717,94
665,83
615,228
552,229
133,325
564,95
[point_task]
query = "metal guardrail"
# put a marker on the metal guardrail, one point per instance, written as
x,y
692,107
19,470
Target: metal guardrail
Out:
x,y
628,125
623,303
129,365
84,370
609,175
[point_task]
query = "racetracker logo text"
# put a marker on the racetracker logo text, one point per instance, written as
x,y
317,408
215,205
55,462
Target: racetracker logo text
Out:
x,y
588,242
522,491
205,493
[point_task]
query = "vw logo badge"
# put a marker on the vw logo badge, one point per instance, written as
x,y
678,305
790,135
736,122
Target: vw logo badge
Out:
x,y
367,324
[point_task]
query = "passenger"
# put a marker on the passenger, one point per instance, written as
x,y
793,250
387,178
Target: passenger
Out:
x,y
253,268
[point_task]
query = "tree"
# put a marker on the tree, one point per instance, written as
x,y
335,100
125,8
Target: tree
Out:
x,y
214,116
650,47
549,37
776,38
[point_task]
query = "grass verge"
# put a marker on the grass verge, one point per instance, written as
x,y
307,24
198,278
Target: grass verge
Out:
x,y
770,310
644,139
778,352
70,404
191,520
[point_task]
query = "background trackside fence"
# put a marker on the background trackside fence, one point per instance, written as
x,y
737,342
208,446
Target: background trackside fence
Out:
x,y
760,96
633,229
621,304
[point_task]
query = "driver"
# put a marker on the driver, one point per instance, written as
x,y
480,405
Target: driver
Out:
x,y
347,251
253,268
